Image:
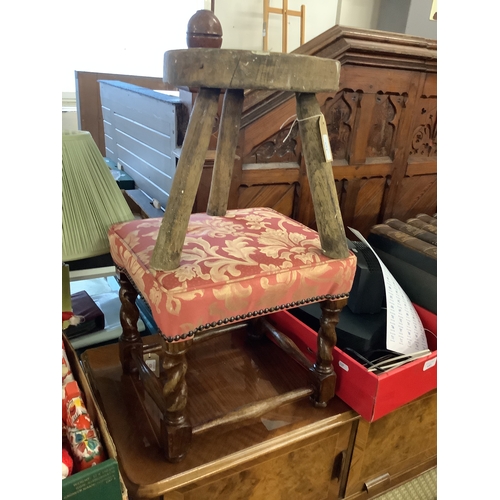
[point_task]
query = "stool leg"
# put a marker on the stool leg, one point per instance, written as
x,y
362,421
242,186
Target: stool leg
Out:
x,y
130,339
176,431
256,329
167,252
324,375
229,129
319,172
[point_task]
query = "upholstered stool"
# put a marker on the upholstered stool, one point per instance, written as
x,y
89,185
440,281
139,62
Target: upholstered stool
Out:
x,y
204,274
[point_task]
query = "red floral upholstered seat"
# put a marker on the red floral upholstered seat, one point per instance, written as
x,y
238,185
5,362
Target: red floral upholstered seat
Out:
x,y
247,263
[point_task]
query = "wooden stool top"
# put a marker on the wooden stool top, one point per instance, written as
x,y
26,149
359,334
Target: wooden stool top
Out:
x,y
246,69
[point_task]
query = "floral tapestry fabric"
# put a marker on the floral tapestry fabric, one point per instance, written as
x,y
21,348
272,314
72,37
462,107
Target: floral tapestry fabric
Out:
x,y
248,260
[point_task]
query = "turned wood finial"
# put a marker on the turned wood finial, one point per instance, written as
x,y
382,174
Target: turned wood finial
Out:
x,y
204,30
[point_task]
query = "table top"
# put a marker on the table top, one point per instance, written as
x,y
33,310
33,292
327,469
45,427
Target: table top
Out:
x,y
223,373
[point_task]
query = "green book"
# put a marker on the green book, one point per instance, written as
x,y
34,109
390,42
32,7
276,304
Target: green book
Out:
x,y
100,482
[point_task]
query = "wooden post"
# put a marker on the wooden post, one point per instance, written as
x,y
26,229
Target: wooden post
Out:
x,y
302,24
229,129
284,23
130,339
320,174
324,374
265,27
284,32
176,431
172,232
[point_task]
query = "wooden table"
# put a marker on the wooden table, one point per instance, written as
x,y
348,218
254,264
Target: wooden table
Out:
x,y
295,451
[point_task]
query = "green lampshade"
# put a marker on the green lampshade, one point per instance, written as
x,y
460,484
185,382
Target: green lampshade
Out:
x,y
91,198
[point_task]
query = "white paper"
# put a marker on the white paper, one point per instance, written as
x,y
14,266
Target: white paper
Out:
x,y
405,332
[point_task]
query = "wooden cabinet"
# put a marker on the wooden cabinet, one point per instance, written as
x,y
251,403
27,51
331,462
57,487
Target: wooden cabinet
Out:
x,y
355,460
394,449
307,469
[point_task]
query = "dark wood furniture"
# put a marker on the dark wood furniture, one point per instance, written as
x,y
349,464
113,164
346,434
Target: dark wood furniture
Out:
x,y
382,130
382,127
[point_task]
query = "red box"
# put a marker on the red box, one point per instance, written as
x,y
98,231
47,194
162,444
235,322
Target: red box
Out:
x,y
371,395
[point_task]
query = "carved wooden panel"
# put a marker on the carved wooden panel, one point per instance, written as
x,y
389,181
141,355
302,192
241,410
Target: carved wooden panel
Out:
x,y
415,195
339,112
361,203
280,197
280,147
362,126
424,136
363,129
385,118
272,125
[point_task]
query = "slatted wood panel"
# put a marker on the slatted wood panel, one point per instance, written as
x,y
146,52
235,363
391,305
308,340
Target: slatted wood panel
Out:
x,y
88,99
140,128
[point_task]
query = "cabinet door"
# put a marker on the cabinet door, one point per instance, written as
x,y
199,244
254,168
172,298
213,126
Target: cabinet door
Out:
x,y
394,448
308,469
